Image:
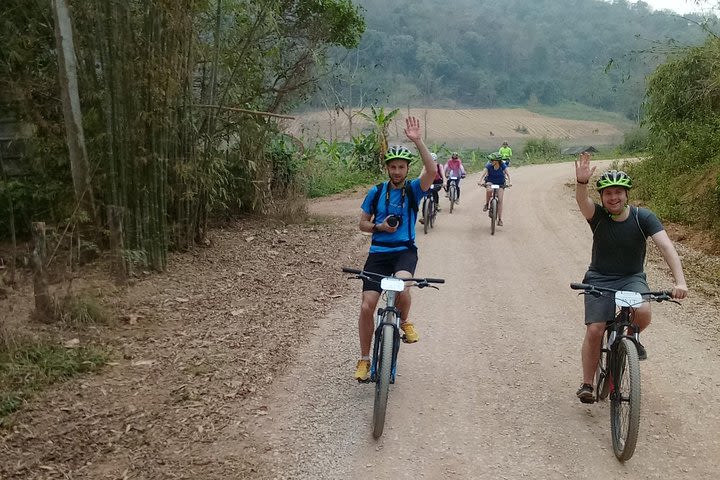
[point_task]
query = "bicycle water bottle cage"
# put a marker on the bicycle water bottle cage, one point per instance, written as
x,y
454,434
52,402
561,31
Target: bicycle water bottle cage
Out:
x,y
392,284
627,299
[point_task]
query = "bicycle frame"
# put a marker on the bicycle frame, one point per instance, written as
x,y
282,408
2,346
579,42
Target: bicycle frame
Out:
x,y
615,331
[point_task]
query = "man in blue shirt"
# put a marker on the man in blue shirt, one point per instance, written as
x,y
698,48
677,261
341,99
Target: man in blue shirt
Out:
x,y
389,214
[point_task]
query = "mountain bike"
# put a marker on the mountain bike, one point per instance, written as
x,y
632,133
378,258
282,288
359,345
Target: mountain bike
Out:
x,y
452,192
493,205
618,371
386,340
429,209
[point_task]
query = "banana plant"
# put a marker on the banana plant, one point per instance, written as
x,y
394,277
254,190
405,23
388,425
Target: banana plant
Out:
x,y
381,122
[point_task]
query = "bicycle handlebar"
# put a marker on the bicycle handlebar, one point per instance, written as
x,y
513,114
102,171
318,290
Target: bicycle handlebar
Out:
x,y
362,273
659,296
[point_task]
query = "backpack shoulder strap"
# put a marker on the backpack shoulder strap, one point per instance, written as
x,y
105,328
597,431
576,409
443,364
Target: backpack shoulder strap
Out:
x,y
412,201
376,198
637,219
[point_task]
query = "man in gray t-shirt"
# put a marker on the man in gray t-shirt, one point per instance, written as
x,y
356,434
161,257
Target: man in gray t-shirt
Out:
x,y
620,234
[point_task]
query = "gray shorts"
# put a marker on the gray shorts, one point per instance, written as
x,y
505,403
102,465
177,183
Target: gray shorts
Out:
x,y
602,309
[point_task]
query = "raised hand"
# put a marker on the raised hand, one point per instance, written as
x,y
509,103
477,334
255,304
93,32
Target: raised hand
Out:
x,y
583,170
412,129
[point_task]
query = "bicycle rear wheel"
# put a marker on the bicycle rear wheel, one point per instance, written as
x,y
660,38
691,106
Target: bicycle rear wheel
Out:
x,y
625,399
602,382
426,214
382,380
493,215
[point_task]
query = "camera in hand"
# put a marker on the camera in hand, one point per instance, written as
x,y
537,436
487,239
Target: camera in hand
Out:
x,y
394,220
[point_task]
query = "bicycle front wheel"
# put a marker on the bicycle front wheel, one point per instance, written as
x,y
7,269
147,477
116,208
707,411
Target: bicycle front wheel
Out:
x,y
452,196
493,215
382,381
625,399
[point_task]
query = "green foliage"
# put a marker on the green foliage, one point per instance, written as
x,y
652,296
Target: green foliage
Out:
x,y
156,80
31,367
381,122
541,150
331,167
681,178
635,140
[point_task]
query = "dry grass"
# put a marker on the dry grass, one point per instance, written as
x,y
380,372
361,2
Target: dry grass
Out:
x,y
477,128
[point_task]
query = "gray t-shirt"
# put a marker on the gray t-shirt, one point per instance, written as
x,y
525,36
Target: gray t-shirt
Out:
x,y
619,247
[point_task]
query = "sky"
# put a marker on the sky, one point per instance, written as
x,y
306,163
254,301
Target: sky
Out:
x,y
679,6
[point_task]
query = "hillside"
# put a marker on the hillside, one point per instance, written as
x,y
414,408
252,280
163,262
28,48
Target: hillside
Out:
x,y
477,128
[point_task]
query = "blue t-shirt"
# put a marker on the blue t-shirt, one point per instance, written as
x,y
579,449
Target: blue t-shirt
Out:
x,y
496,177
399,206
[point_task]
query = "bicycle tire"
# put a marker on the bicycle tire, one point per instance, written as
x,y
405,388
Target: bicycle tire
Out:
x,y
433,214
493,215
602,383
426,215
452,195
384,371
625,399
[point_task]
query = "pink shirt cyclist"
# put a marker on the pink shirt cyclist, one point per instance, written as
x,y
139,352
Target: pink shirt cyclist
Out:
x,y
454,168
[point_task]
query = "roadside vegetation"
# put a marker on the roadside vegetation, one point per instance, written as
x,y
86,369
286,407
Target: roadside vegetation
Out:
x,y
131,126
680,177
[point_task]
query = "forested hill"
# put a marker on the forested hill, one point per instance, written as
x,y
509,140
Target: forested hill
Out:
x,y
489,53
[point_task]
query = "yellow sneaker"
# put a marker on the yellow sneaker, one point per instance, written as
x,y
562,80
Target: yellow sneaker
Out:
x,y
362,371
411,336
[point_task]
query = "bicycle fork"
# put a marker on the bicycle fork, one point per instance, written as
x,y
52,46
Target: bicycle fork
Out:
x,y
380,322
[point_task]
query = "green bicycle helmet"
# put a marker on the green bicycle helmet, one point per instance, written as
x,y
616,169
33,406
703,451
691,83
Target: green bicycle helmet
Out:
x,y
494,156
398,152
613,178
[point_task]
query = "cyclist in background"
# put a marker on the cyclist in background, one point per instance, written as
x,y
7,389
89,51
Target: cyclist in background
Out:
x,y
454,168
495,173
505,153
437,184
620,234
392,250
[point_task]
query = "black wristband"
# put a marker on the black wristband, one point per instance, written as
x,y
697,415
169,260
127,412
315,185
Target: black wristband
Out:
x,y
374,228
582,183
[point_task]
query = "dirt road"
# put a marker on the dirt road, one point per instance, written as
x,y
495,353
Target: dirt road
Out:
x,y
235,368
488,392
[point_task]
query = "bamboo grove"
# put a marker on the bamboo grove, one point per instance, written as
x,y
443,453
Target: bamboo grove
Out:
x,y
179,100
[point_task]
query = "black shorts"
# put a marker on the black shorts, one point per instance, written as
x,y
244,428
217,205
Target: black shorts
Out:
x,y
389,263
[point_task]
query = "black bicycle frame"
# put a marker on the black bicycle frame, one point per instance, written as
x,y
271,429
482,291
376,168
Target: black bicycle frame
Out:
x,y
616,331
